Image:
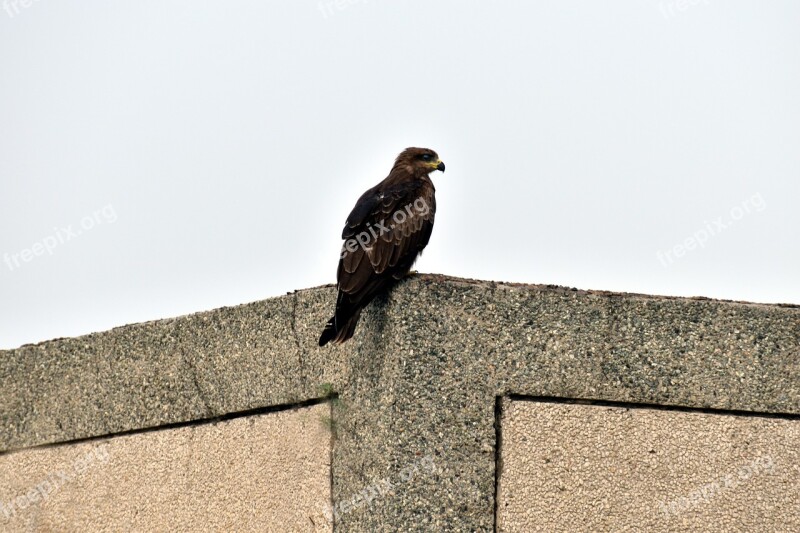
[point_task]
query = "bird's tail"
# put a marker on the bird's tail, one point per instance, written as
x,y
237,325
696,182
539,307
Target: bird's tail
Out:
x,y
339,330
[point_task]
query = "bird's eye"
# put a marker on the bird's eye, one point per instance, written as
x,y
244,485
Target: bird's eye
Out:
x,y
426,157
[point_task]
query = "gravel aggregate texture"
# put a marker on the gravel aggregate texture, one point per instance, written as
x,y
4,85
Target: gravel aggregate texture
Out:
x,y
416,388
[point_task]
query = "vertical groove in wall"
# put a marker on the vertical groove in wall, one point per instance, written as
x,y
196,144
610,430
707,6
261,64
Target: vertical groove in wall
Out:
x,y
498,466
333,399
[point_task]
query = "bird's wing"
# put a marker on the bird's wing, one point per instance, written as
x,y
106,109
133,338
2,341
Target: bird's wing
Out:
x,y
383,235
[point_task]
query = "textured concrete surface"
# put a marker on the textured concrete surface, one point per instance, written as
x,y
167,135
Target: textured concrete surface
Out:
x,y
589,468
268,472
419,379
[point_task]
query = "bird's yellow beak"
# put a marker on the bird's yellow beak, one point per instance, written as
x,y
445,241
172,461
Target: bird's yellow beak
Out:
x,y
436,165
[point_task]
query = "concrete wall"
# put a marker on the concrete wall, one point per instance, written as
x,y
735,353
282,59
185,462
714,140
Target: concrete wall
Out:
x,y
420,440
567,467
268,472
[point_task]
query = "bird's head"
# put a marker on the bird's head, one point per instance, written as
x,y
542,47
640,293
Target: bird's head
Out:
x,y
419,161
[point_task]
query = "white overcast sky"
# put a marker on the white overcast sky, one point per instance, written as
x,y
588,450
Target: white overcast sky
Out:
x,y
168,157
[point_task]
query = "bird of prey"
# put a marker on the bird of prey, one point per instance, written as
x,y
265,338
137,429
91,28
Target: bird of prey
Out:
x,y
387,229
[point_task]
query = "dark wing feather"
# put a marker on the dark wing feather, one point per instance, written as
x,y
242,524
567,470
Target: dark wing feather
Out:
x,y
379,199
363,209
384,234
393,232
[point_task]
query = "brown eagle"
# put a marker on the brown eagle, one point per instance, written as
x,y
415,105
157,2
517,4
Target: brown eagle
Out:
x,y
385,232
